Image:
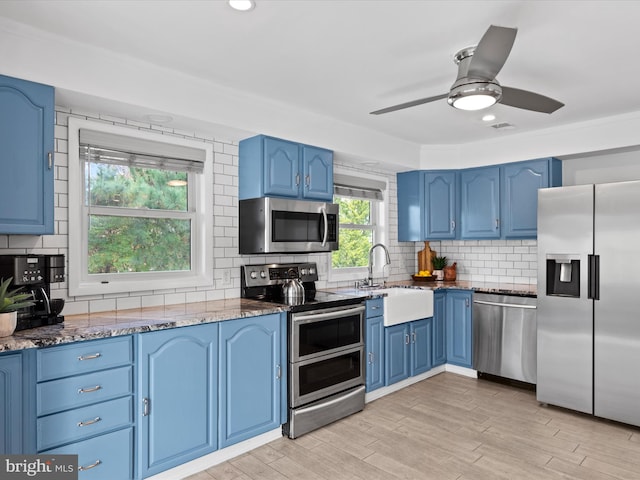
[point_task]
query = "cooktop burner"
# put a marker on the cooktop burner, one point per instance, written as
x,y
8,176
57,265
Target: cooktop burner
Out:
x,y
264,282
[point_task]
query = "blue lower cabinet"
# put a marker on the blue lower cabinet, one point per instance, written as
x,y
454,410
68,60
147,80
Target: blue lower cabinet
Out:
x,y
374,347
106,457
177,395
459,327
421,332
439,329
11,403
408,350
252,368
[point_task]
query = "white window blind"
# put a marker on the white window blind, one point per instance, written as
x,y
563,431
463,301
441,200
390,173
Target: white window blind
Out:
x,y
105,147
356,187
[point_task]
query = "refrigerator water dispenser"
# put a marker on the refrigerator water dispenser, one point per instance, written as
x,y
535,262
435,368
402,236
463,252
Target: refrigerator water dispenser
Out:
x,y
563,275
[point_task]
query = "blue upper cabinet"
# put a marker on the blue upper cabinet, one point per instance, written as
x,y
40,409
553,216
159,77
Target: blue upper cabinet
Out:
x,y
26,157
480,198
520,183
273,167
317,168
440,211
427,205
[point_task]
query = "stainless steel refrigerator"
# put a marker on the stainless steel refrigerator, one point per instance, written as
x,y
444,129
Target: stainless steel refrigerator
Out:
x,y
589,299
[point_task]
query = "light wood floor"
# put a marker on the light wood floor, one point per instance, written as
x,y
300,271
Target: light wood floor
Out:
x,y
449,427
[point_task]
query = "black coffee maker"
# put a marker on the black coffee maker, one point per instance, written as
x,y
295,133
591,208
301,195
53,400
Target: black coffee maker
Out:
x,y
35,274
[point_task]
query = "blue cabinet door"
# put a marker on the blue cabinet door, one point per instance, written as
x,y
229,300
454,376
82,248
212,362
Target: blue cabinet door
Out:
x,y
480,202
11,404
177,395
282,174
397,358
421,332
317,171
520,183
26,157
410,187
439,329
374,347
459,327
440,212
250,378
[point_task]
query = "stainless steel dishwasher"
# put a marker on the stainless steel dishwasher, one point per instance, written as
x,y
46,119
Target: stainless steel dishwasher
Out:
x,y
505,336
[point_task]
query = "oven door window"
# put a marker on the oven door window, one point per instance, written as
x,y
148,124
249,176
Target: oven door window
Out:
x,y
327,335
322,374
301,227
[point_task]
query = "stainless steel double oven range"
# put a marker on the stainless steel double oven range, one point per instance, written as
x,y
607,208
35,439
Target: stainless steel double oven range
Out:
x,y
325,345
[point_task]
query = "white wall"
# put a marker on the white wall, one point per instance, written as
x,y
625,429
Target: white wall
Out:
x,y
225,241
615,166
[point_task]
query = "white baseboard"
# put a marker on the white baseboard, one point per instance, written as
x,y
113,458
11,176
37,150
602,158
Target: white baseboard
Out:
x,y
214,458
381,392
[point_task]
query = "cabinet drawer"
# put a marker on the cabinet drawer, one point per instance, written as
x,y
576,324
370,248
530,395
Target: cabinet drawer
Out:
x,y
83,357
112,451
375,307
73,392
83,422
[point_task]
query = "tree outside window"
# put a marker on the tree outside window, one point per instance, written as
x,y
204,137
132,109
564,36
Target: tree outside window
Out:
x,y
356,232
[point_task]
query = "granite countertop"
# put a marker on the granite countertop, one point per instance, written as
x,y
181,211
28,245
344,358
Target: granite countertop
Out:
x,y
480,287
124,322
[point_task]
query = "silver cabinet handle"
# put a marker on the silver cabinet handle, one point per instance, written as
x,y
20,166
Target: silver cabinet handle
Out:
x,y
375,308
89,357
89,422
50,160
453,225
307,181
146,407
497,223
89,467
297,179
371,358
278,372
407,341
466,302
413,337
89,390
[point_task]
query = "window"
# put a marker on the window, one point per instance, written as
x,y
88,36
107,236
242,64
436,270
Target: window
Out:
x,y
361,224
140,209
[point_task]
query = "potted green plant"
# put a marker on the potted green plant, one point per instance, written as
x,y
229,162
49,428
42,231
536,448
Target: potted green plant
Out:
x,y
438,264
10,302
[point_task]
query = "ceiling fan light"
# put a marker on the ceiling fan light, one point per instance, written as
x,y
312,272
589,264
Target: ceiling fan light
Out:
x,y
475,96
474,102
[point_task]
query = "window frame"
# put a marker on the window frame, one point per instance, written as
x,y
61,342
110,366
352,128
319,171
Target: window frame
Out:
x,y
200,199
379,216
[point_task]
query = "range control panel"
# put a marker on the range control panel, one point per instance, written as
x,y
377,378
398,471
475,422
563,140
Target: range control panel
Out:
x,y
273,274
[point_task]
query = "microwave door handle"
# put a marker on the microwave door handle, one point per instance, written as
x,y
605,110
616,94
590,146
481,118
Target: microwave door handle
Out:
x,y
326,226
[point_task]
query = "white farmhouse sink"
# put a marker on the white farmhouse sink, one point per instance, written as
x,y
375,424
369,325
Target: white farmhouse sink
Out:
x,y
406,304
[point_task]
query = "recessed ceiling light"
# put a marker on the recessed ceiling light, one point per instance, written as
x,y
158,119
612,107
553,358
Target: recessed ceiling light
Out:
x,y
489,117
242,5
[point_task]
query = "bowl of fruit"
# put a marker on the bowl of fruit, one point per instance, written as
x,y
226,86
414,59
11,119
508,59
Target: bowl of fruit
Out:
x,y
423,276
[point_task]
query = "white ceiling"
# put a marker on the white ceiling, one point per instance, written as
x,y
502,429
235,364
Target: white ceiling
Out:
x,y
343,59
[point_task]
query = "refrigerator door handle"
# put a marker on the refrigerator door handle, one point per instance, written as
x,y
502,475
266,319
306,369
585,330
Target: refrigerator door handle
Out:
x,y
594,277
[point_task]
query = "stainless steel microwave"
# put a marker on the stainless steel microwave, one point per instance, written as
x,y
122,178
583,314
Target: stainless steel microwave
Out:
x,y
279,225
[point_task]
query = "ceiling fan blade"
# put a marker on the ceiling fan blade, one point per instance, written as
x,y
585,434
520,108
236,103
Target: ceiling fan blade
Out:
x,y
410,104
491,53
514,97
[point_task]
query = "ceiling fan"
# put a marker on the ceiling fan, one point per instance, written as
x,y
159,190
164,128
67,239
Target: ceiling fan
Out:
x,y
476,86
